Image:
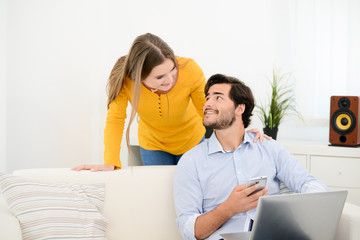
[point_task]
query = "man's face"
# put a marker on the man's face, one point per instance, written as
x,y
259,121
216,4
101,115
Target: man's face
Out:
x,y
219,109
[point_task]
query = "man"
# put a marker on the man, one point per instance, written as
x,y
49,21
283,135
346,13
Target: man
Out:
x,y
209,184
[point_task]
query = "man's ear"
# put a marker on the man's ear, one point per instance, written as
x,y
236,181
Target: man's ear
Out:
x,y
240,109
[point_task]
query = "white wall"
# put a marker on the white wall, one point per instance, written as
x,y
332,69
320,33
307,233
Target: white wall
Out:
x,y
60,53
3,25
55,83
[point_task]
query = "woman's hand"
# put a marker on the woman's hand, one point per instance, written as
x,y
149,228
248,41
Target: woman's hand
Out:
x,y
259,135
94,168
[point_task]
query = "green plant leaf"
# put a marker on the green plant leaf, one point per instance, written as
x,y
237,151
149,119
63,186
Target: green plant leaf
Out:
x,y
282,101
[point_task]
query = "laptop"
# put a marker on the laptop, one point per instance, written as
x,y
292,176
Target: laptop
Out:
x,y
304,216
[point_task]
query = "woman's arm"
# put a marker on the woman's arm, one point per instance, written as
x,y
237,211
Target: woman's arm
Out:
x,y
115,122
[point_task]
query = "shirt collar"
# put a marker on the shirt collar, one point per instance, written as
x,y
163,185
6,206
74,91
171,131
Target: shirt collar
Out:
x,y
215,146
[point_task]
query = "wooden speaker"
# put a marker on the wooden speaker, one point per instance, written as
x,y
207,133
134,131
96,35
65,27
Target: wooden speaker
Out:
x,y
344,121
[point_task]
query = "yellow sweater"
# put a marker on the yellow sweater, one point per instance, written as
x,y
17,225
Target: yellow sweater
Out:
x,y
170,122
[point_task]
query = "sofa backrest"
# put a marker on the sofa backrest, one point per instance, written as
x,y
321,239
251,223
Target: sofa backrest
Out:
x,y
138,200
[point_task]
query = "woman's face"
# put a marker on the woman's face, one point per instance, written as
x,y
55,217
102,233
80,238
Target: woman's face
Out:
x,y
162,77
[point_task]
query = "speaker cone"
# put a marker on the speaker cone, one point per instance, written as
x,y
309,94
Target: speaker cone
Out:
x,y
343,122
344,103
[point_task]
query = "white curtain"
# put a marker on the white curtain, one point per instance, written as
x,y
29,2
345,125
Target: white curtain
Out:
x,y
323,46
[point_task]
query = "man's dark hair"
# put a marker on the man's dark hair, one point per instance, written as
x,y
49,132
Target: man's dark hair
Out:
x,y
239,93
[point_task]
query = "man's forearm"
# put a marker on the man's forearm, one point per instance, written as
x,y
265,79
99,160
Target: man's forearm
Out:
x,y
206,224
239,201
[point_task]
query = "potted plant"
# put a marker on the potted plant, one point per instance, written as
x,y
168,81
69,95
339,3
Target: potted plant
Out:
x,y
282,102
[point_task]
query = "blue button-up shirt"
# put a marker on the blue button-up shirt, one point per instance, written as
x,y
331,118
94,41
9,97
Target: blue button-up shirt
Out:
x,y
206,175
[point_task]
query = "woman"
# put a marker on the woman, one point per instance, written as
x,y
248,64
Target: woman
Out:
x,y
167,92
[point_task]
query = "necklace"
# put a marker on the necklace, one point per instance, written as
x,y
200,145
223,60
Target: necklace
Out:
x,y
153,90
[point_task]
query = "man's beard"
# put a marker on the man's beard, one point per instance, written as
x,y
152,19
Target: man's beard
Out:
x,y
224,121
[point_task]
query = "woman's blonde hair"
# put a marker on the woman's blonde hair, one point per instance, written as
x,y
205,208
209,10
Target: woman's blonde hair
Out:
x,y
146,52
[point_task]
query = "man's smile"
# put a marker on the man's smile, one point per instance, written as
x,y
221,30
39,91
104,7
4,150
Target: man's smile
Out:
x,y
210,112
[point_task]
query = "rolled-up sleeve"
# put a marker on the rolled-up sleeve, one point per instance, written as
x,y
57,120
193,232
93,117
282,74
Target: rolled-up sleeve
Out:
x,y
187,197
314,186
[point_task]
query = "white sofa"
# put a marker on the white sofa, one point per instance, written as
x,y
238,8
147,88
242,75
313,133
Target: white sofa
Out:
x,y
139,203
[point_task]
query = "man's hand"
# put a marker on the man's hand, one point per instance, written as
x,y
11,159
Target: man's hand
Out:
x,y
94,168
259,136
238,201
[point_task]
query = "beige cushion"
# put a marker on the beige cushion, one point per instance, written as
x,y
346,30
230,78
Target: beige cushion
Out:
x,y
138,201
55,210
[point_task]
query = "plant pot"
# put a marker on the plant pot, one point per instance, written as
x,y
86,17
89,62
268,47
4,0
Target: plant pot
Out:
x,y
271,132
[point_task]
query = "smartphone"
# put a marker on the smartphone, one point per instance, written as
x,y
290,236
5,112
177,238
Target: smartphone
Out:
x,y
261,181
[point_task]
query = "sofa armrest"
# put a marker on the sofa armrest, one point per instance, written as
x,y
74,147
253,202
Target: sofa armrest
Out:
x,y
349,226
10,227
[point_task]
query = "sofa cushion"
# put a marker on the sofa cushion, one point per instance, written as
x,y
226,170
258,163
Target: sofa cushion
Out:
x,y
55,210
138,200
